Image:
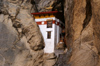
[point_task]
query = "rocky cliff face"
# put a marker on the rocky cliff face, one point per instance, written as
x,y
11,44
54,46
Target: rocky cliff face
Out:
x,y
21,43
82,33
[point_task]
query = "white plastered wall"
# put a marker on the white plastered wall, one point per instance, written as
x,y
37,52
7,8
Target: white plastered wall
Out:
x,y
49,43
55,34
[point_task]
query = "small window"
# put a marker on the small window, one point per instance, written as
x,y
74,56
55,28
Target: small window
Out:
x,y
49,24
49,35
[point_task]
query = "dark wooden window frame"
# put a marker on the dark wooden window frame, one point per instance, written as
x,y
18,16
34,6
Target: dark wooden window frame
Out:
x,y
48,34
49,23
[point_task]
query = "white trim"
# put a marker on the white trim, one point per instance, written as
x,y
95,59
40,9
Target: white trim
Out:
x,y
44,19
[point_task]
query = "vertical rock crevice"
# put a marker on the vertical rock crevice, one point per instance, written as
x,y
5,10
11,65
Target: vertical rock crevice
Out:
x,y
88,13
68,13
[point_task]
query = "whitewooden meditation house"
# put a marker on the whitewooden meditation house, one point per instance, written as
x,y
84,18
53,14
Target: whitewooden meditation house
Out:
x,y
51,27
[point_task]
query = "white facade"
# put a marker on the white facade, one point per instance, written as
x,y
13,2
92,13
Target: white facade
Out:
x,y
55,34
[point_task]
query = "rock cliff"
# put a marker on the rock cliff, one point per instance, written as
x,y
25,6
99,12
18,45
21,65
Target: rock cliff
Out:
x,y
21,43
82,33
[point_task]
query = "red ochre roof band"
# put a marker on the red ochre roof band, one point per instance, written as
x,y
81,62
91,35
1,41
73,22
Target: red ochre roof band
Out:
x,y
45,12
45,22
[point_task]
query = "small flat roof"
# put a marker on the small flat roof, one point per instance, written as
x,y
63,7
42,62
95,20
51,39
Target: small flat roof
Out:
x,y
45,12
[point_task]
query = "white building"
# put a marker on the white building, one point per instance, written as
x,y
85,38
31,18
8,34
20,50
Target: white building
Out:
x,y
50,27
